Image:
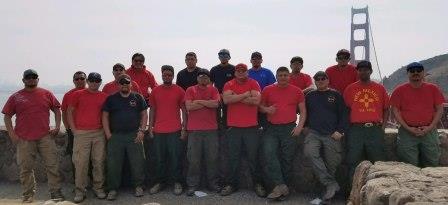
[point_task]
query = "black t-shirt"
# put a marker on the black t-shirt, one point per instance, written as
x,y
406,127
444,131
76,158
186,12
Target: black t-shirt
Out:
x,y
326,111
221,74
124,112
186,79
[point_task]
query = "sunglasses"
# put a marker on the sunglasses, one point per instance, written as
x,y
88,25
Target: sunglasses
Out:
x,y
28,77
343,57
138,60
320,79
95,80
79,79
118,69
124,82
415,70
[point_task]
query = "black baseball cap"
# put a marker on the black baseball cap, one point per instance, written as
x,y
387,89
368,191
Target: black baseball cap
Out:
x,y
364,64
414,65
94,76
256,54
203,72
29,72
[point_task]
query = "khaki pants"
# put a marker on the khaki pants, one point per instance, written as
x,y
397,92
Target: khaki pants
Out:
x,y
26,156
89,146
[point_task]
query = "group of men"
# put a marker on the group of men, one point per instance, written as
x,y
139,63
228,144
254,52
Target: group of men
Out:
x,y
256,110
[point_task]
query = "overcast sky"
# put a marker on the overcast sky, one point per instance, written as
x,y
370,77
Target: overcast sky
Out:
x,y
59,37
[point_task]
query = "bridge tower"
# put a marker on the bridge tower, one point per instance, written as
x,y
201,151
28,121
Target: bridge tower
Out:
x,y
361,44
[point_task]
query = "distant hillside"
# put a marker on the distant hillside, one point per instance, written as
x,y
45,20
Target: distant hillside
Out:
x,y
435,67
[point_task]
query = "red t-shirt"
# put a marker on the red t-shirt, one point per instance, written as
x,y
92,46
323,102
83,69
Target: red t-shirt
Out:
x,y
67,98
144,79
87,115
167,102
285,101
366,102
340,78
204,118
32,110
113,87
240,114
417,105
300,80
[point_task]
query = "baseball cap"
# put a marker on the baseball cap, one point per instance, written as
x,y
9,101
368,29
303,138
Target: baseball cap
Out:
x,y
364,64
124,77
414,65
118,65
320,74
94,76
224,54
256,54
203,72
29,72
241,66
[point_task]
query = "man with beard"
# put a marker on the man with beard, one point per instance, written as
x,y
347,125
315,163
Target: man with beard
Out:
x,y
201,102
168,131
368,103
114,86
418,106
124,120
79,79
84,118
187,76
32,134
342,74
280,102
142,76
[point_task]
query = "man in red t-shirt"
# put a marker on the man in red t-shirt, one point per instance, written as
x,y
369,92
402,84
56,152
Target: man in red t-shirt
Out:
x,y
201,101
418,107
143,77
369,110
167,129
280,102
84,117
32,134
342,74
297,78
242,97
113,86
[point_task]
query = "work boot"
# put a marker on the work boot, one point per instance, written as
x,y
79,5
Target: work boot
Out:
x,y
177,189
112,195
191,190
100,194
57,196
155,189
28,198
279,192
259,190
138,191
79,196
227,190
331,189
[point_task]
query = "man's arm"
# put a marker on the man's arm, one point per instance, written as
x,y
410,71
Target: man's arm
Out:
x,y
70,119
298,129
435,120
106,126
230,97
385,117
57,120
208,103
193,105
254,98
64,119
184,123
142,127
8,124
151,121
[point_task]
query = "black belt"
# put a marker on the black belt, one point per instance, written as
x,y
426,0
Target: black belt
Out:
x,y
368,124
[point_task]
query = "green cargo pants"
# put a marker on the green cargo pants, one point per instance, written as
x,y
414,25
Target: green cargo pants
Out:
x,y
119,145
167,148
278,147
419,151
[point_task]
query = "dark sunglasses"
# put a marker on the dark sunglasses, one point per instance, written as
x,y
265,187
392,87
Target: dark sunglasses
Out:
x,y
415,70
28,77
118,69
77,79
138,60
95,80
343,57
320,79
124,82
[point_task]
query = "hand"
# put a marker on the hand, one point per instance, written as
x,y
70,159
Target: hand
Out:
x,y
139,138
108,136
247,94
336,136
74,131
54,132
305,131
270,110
296,131
183,134
150,133
425,130
14,138
415,131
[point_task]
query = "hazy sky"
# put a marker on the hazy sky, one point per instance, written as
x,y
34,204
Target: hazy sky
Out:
x,y
59,37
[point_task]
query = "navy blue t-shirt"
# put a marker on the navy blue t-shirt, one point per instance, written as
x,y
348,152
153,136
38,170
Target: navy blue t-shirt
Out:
x,y
326,112
221,74
186,79
124,112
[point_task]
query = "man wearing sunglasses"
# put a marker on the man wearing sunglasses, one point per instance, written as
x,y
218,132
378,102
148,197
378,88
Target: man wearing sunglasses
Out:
x,y
326,123
114,86
79,80
342,74
418,106
32,134
84,118
280,102
142,76
124,120
368,103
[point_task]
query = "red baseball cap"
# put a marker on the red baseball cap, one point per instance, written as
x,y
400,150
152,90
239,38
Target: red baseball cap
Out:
x,y
241,66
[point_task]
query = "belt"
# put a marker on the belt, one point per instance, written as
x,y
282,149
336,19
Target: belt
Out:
x,y
368,124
